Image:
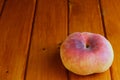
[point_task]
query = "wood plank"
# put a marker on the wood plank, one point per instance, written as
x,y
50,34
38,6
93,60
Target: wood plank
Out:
x,y
1,5
111,14
50,29
15,30
85,16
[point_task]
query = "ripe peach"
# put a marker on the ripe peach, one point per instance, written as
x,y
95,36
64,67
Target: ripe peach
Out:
x,y
86,53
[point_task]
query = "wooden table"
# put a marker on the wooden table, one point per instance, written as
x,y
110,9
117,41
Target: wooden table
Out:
x,y
31,32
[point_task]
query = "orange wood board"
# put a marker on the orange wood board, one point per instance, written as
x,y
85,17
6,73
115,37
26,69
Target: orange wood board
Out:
x,y
31,32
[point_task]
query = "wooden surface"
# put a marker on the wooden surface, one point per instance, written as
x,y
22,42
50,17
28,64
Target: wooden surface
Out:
x,y
31,32
50,29
1,6
111,14
15,30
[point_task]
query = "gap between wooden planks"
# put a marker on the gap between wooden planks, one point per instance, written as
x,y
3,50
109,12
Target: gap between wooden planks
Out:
x,y
1,6
15,29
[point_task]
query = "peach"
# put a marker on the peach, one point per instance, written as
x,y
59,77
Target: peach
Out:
x,y
86,53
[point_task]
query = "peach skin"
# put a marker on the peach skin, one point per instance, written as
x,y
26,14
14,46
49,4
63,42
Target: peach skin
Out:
x,y
86,53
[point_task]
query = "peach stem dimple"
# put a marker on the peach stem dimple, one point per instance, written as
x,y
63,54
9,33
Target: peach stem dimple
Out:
x,y
87,46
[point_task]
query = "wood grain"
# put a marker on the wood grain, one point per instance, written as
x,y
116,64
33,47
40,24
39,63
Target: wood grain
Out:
x,y
1,5
50,29
111,14
15,29
85,16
